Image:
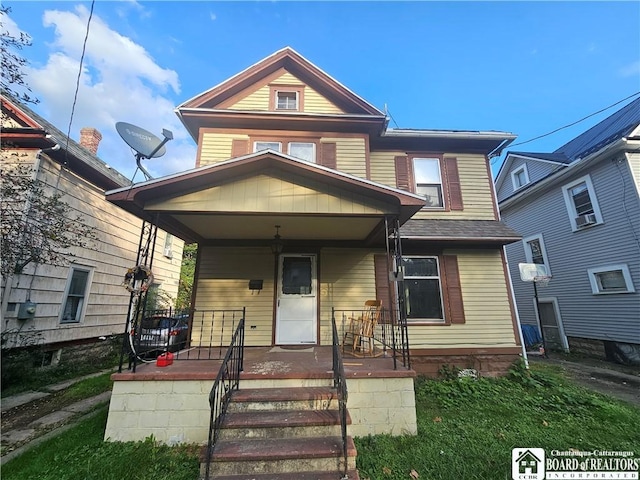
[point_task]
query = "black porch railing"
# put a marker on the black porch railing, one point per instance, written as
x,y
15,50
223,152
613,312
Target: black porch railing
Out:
x,y
388,337
340,384
187,334
226,382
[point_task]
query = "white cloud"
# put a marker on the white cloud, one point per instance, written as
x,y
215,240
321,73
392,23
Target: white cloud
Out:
x,y
120,81
630,70
212,16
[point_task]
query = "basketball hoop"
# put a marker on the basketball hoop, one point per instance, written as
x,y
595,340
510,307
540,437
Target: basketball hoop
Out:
x,y
542,280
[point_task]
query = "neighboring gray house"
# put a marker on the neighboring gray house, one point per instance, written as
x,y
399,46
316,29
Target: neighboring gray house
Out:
x,y
578,211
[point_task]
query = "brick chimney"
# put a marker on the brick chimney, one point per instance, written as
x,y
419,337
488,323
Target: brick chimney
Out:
x,y
90,139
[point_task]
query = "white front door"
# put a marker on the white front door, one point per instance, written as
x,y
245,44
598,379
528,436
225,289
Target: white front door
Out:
x,y
296,303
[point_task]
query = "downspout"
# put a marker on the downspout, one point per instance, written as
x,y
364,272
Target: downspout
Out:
x,y
515,309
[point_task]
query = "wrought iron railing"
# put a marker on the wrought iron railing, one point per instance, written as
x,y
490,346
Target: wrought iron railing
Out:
x,y
226,382
388,338
187,334
340,384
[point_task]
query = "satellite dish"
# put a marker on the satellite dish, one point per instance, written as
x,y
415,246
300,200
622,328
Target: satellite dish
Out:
x,y
145,143
142,141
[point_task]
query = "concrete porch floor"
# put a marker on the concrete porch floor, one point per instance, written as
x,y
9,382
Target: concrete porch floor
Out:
x,y
268,363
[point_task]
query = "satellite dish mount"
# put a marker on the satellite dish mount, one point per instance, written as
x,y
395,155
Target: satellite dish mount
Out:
x,y
145,144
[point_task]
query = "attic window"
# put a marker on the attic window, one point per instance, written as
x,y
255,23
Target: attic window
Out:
x,y
520,177
288,98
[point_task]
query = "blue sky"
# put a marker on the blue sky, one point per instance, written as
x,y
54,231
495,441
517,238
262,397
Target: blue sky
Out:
x,y
522,67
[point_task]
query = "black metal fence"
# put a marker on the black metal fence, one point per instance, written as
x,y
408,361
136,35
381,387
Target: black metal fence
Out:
x,y
186,334
387,337
227,381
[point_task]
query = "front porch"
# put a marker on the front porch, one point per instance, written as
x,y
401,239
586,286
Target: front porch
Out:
x,y
172,403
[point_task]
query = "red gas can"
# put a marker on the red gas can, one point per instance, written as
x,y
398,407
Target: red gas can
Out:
x,y
164,359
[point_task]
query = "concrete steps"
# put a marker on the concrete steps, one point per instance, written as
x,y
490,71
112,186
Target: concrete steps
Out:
x,y
281,433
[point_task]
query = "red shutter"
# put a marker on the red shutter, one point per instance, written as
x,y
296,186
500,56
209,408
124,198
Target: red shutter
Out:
x,y
453,183
453,289
239,147
328,155
403,174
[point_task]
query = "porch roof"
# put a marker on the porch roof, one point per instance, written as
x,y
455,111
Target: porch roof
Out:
x,y
490,232
216,202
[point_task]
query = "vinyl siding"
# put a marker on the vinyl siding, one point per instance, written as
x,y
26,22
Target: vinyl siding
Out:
x,y
634,163
216,147
536,171
314,102
383,167
488,321
111,253
350,155
347,280
570,254
223,284
282,193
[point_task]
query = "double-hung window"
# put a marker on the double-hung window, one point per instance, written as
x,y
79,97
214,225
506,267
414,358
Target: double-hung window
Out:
x,y
520,177
428,180
610,279
286,100
582,204
535,252
74,302
423,289
302,150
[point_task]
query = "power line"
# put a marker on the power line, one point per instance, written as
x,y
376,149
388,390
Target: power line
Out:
x,y
75,96
568,125
576,122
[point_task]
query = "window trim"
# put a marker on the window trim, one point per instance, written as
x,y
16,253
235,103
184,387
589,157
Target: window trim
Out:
x,y
429,321
571,209
514,175
528,254
443,181
273,97
626,275
87,290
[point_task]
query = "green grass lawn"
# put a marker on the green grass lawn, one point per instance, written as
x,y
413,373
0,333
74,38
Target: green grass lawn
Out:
x,y
466,430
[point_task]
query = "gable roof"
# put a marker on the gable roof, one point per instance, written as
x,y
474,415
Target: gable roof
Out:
x,y
613,128
134,198
290,60
40,133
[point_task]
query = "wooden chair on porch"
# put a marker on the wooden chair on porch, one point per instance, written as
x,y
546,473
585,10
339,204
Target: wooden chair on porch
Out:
x,y
360,332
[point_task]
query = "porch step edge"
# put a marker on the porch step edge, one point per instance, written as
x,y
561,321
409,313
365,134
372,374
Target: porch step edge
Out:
x,y
281,394
272,449
282,419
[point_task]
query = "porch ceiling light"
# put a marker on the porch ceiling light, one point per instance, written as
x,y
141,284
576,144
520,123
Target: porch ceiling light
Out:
x,y
276,244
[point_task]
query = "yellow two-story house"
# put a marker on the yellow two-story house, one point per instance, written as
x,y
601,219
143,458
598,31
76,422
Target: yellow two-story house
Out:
x,y
303,202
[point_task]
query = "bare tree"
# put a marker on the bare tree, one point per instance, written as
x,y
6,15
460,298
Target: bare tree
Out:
x,y
13,77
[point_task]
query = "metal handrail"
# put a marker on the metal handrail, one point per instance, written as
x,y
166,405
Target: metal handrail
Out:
x,y
340,384
226,382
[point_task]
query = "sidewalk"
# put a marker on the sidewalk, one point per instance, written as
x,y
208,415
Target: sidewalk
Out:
x,y
16,441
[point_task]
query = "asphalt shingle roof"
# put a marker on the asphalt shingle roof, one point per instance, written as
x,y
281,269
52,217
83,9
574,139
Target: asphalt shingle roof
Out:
x,y
430,229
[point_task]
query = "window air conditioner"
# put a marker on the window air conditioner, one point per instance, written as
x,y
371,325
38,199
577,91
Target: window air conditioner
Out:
x,y
168,253
584,220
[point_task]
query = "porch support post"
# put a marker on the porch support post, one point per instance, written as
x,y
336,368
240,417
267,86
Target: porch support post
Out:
x,y
399,278
138,301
